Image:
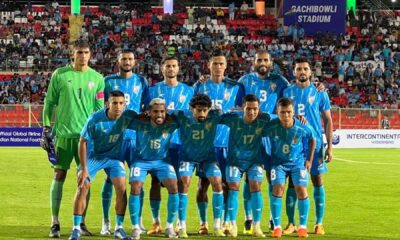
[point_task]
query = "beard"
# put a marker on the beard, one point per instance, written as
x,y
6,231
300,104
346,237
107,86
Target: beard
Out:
x,y
262,70
125,70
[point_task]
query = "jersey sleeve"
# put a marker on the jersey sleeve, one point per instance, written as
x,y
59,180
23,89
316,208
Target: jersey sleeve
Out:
x,y
240,95
229,118
88,129
51,99
324,103
99,104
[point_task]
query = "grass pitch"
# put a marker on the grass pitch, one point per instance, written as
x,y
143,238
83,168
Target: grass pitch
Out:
x,y
363,198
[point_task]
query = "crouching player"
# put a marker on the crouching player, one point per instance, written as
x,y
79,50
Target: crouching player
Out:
x,y
244,156
104,155
289,139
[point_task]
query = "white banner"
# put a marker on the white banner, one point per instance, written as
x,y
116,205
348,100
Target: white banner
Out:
x,y
355,138
361,66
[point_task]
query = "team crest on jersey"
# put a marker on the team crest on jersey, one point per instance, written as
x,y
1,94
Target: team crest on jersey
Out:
x,y
295,140
209,126
91,85
227,95
258,131
273,87
136,89
182,98
311,99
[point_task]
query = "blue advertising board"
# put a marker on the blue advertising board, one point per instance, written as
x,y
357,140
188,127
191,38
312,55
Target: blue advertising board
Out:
x,y
316,15
20,137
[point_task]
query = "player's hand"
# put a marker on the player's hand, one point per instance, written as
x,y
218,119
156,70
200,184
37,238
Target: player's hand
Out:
x,y
320,87
308,164
237,108
328,155
82,176
47,139
204,78
302,119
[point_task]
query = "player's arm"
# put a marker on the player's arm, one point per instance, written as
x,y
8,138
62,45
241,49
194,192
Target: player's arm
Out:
x,y
328,124
51,100
99,98
83,173
311,149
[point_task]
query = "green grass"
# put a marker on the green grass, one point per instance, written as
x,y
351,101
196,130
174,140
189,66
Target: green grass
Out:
x,y
363,197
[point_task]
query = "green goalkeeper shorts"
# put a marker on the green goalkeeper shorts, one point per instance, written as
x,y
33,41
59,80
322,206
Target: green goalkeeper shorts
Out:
x,y
67,149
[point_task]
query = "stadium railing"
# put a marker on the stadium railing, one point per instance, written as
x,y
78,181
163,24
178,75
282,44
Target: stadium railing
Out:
x,y
30,115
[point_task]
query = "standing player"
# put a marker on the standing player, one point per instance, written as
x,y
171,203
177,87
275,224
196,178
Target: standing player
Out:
x,y
177,96
97,131
244,156
289,141
225,94
268,87
76,91
311,103
135,88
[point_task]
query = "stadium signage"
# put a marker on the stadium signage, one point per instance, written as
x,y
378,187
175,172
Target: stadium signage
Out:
x,y
361,66
20,137
366,138
316,15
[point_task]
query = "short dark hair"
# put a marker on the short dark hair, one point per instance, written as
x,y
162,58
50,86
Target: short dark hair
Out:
x,y
80,43
285,102
217,53
263,51
250,98
200,100
126,50
303,60
169,58
116,93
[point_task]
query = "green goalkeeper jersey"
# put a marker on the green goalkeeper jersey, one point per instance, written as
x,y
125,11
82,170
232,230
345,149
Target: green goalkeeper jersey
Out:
x,y
76,95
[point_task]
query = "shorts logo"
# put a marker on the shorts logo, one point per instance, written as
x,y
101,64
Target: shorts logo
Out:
x,y
303,173
171,168
335,139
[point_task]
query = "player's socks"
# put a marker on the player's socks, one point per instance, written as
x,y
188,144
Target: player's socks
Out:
x,y
291,199
155,209
106,197
119,221
319,198
257,205
77,220
233,202
304,207
134,205
247,201
217,202
276,210
173,205
202,208
226,215
56,191
183,202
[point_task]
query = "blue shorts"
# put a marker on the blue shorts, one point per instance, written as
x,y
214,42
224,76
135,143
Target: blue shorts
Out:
x,y
128,151
114,168
316,168
299,174
203,169
159,168
221,154
254,173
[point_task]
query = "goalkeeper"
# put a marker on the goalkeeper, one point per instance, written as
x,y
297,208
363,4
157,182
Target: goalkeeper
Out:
x,y
76,91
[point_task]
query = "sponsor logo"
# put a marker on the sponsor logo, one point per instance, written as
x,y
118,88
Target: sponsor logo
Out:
x,y
335,139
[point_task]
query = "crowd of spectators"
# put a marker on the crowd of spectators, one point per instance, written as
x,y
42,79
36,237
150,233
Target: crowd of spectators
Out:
x,y
41,40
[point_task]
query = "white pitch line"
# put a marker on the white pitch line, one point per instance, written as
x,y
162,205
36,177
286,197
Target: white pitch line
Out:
x,y
360,162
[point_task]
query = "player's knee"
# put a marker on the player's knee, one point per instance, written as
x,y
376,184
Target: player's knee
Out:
x,y
216,184
255,186
234,186
171,185
183,185
277,190
317,180
60,174
301,192
135,188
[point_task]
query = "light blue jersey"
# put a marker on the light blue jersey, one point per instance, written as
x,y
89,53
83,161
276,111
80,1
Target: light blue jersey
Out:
x,y
197,137
225,96
152,143
289,144
98,131
244,143
309,102
269,90
176,98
